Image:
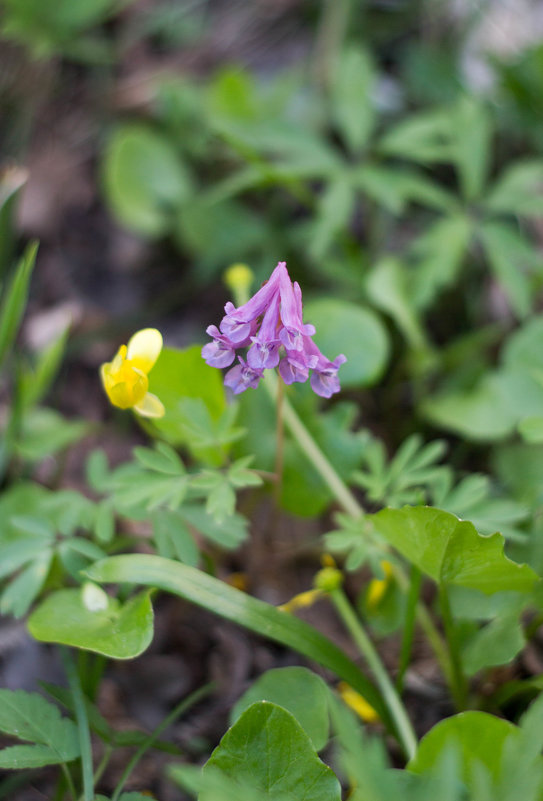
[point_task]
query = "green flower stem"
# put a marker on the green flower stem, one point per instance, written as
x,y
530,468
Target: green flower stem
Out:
x,y
82,723
176,712
102,765
68,783
458,686
405,732
317,458
349,503
415,581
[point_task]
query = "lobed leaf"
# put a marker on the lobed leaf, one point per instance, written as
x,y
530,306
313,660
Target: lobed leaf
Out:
x,y
451,551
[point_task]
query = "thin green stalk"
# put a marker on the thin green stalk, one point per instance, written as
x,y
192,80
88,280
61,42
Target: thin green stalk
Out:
x,y
308,445
333,26
458,687
415,581
280,439
82,723
68,782
102,765
405,732
182,707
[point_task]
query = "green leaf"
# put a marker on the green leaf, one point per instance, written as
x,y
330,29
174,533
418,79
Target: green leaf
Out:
x,y
512,259
480,739
20,593
394,188
163,459
438,255
472,134
502,398
353,85
36,383
44,432
145,180
180,375
531,429
518,190
450,550
28,716
268,750
120,631
240,608
387,288
14,299
221,502
341,327
173,538
20,757
11,183
484,413
228,532
298,690
217,232
333,215
422,137
497,643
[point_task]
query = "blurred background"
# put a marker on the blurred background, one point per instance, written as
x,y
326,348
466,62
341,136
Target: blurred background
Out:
x,y
391,151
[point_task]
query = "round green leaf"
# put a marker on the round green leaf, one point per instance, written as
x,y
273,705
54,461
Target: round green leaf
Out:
x,y
145,181
478,737
120,631
268,751
297,689
531,429
348,328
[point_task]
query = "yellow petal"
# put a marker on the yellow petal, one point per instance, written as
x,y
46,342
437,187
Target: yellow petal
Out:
x,y
105,371
150,406
144,348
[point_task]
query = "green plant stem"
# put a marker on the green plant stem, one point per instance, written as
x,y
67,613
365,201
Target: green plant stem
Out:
x,y
458,686
104,762
69,782
415,581
82,723
404,729
313,452
182,707
331,34
280,438
349,503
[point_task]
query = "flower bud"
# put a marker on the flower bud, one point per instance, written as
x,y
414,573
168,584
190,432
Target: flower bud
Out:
x,y
328,579
238,278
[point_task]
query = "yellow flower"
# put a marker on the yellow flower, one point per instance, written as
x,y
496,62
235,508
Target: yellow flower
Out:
x,y
125,378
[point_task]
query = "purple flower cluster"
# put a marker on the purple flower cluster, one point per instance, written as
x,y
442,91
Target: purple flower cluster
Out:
x,y
270,325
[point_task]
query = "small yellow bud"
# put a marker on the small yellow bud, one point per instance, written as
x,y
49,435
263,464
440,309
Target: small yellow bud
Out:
x,y
328,579
357,703
238,278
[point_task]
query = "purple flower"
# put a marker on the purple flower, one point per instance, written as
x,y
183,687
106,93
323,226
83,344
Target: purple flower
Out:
x,y
264,352
324,380
221,352
293,330
241,377
271,325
